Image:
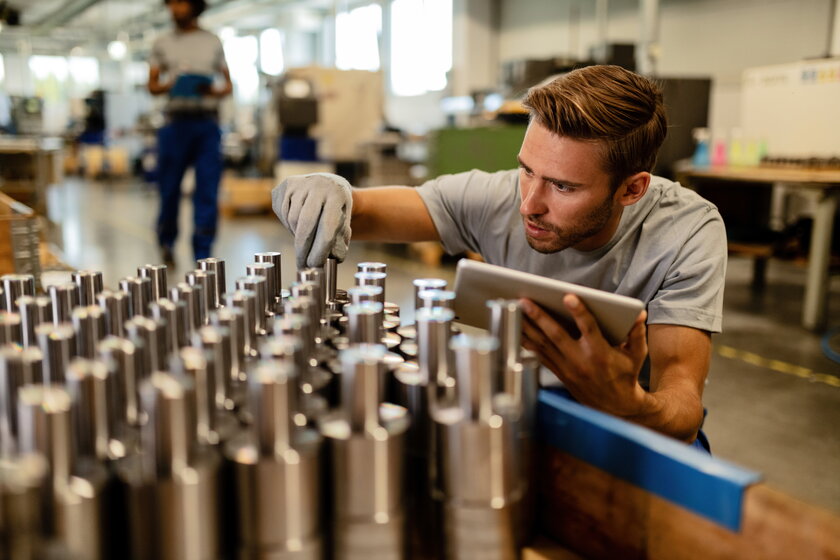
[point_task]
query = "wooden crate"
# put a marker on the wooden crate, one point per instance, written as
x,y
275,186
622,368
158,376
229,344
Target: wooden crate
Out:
x,y
19,238
243,195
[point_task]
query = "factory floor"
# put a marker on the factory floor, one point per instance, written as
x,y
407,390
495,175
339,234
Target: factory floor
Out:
x,y
773,396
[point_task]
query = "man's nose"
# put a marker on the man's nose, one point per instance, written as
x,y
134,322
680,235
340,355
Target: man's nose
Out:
x,y
532,199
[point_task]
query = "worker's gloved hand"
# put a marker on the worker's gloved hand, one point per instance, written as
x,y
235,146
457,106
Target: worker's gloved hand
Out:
x,y
316,208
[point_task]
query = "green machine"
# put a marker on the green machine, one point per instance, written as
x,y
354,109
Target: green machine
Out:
x,y
489,148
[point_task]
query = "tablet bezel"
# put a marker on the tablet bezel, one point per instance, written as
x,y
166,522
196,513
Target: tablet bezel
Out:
x,y
478,282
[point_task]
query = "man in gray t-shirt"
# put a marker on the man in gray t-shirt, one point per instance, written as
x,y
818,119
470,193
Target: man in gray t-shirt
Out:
x,y
582,207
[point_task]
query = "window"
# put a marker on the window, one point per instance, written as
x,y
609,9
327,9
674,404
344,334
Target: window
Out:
x,y
2,68
421,45
241,54
84,74
357,38
271,52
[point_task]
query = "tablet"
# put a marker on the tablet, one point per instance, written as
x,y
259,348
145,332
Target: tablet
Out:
x,y
477,282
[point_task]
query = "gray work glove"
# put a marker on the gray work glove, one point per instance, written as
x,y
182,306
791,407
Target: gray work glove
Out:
x,y
316,209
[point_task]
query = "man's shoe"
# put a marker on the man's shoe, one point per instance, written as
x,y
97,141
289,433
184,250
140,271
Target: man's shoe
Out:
x,y
166,255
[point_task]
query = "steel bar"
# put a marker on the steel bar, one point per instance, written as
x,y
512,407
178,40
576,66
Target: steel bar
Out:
x,y
88,284
64,299
156,273
118,309
90,324
216,266
140,290
14,286
208,282
58,345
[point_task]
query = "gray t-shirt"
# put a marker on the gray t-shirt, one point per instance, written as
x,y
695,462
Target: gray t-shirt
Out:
x,y
198,53
669,249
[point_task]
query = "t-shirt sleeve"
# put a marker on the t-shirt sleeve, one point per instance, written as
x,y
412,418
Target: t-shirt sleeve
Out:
x,y
462,205
221,63
692,292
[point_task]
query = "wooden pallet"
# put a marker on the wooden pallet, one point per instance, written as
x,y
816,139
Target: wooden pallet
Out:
x,y
245,195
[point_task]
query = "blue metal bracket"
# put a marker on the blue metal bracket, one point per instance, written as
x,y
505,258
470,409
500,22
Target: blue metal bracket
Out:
x,y
663,466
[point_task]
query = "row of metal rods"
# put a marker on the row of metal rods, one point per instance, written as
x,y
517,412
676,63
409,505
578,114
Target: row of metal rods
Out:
x,y
190,421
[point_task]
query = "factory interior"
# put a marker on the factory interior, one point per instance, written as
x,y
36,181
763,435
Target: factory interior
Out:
x,y
291,413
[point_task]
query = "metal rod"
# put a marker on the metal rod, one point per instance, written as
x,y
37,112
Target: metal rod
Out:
x,y
434,332
421,284
118,309
193,297
258,285
475,358
331,278
126,360
315,276
217,266
276,259
167,436
156,273
150,336
266,270
11,330
273,394
88,284
91,326
246,301
16,285
193,363
436,298
363,326
140,290
64,299
208,282
58,345
89,383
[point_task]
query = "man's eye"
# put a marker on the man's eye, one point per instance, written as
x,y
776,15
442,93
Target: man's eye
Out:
x,y
527,171
563,188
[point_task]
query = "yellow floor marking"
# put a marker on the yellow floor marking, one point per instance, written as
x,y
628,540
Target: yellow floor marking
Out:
x,y
777,365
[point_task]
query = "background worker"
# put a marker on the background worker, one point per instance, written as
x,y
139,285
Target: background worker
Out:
x,y
582,207
188,65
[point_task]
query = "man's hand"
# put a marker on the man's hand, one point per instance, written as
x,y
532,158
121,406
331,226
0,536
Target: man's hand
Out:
x,y
316,208
597,374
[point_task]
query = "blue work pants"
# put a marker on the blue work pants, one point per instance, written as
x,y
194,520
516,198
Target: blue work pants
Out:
x,y
184,142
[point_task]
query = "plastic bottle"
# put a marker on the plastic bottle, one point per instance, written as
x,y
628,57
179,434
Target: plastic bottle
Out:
x,y
701,158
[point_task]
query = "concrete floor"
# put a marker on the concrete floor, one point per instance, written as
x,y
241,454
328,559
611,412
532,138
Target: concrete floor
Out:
x,y
773,396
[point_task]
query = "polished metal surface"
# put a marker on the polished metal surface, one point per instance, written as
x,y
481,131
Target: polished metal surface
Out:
x,y
276,464
33,311
258,285
175,317
118,309
276,259
246,302
421,284
193,363
436,298
209,287
216,340
372,279
18,367
364,322
58,346
233,319
156,273
367,441
310,290
217,267
140,292
11,329
126,360
89,284
21,527
315,276
149,336
331,279
266,270
64,299
14,286
91,326
193,297
90,384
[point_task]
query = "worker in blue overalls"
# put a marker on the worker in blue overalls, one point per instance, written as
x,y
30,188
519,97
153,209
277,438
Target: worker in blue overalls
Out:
x,y
188,65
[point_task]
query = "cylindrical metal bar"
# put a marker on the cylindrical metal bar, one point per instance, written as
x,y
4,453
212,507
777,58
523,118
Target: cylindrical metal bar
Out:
x,y
277,473
246,301
297,325
30,318
360,294
233,319
174,316
217,266
89,383
16,285
372,279
216,340
167,436
208,282
88,284
437,298
506,326
266,270
193,363
475,359
156,273
421,284
193,297
91,326
434,331
126,361
276,259
64,299
362,371
118,309
21,478
311,290
316,277
372,266
140,290
258,285
11,330
331,278
363,326
150,336
45,428
58,345
307,307
17,368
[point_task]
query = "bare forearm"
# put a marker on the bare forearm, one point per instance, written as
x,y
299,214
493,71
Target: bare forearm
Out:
x,y
391,214
676,412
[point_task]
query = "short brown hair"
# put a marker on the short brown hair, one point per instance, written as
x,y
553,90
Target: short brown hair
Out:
x,y
609,104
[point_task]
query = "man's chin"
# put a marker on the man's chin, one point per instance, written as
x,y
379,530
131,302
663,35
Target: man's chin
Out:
x,y
544,247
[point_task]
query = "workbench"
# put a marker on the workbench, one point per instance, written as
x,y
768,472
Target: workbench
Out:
x,y
28,165
822,186
612,489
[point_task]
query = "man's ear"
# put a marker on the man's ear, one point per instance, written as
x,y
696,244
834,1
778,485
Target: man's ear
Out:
x,y
633,188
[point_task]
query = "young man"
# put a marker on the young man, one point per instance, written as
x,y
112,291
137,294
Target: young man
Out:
x,y
584,208
191,59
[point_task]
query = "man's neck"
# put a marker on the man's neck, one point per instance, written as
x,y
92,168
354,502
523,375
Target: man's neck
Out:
x,y
187,26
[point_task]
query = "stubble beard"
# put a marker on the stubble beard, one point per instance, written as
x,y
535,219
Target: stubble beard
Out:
x,y
564,238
